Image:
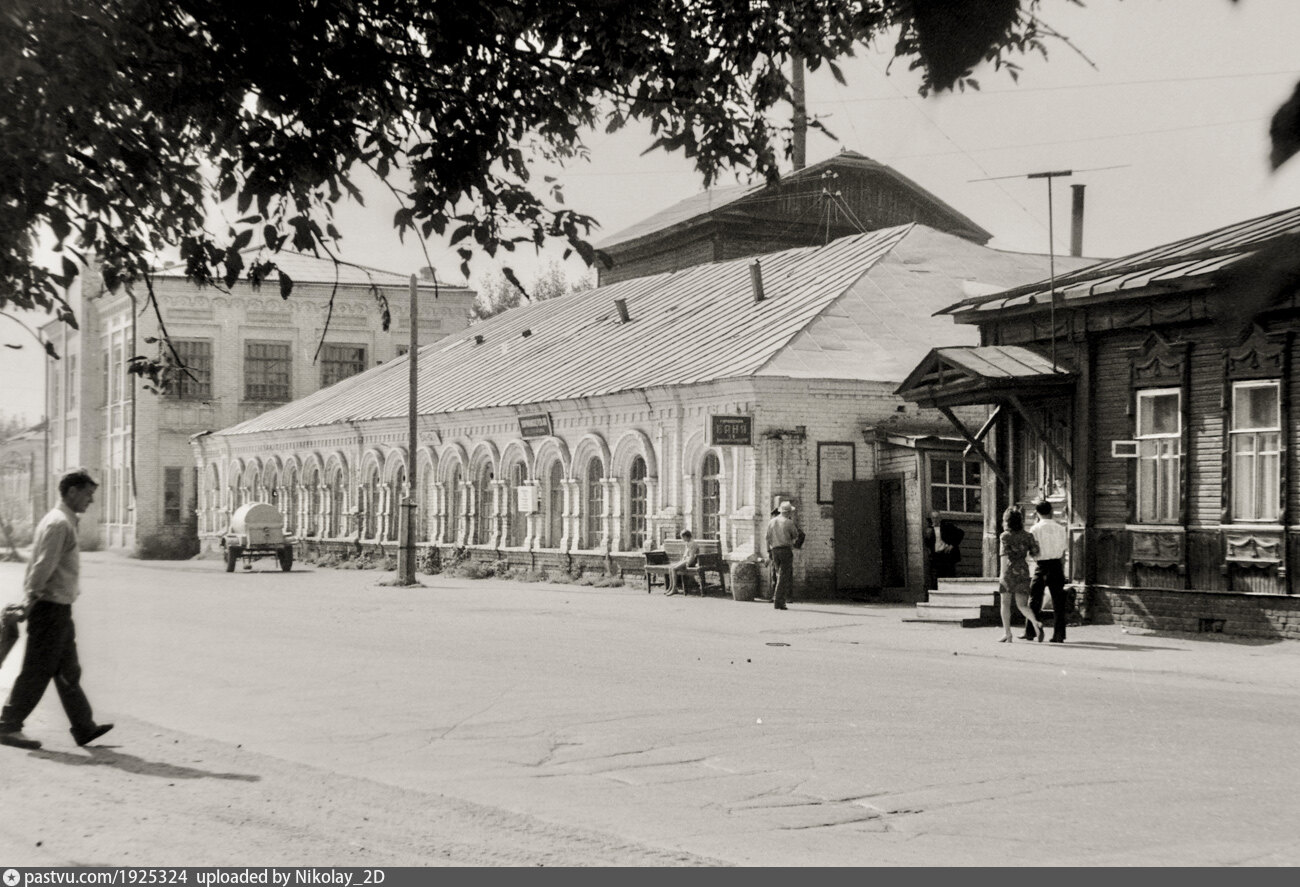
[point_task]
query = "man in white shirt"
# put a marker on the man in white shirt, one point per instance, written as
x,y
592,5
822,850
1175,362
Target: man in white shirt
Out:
x,y
52,584
1050,571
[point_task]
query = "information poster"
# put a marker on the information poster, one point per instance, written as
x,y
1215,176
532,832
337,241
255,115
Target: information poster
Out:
x,y
834,462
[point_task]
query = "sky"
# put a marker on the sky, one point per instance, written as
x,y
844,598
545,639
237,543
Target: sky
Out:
x,y
1160,108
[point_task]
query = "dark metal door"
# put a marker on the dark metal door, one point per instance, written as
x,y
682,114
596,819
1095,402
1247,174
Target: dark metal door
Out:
x,y
857,535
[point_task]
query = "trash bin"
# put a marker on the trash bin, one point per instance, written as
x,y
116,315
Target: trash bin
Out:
x,y
744,581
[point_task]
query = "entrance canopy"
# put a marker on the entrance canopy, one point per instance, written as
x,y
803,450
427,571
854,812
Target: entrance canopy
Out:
x,y
998,375
986,374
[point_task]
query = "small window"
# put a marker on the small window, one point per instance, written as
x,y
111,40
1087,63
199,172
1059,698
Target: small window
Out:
x,y
1160,455
266,371
172,492
955,485
192,379
338,362
1256,441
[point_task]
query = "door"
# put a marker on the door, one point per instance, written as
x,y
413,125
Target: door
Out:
x,y
857,535
893,533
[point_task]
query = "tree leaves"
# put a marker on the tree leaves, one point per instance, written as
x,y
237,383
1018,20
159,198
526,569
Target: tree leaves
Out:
x,y
456,106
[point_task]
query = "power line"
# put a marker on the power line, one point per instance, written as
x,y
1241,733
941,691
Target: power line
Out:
x,y
1105,85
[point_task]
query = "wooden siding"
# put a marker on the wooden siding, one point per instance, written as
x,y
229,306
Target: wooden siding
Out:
x,y
1113,422
1204,504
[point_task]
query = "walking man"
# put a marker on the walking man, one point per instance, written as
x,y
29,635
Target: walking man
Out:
x,y
781,536
52,584
1049,572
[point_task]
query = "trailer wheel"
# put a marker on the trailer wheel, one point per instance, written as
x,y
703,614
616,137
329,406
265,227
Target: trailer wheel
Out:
x,y
232,555
286,559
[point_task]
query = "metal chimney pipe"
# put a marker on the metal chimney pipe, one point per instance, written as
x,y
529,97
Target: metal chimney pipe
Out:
x,y
756,280
1076,220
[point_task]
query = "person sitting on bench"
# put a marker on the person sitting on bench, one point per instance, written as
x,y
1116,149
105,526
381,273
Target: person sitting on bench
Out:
x,y
690,557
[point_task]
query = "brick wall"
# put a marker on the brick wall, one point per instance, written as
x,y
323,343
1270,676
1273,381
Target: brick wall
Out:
x,y
1243,615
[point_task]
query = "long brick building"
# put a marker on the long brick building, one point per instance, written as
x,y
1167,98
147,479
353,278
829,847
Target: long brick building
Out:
x,y
577,432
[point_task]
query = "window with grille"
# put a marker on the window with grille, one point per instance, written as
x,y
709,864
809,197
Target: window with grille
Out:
x,y
172,492
595,503
1160,454
1256,441
955,485
486,506
338,362
192,380
266,371
636,505
710,496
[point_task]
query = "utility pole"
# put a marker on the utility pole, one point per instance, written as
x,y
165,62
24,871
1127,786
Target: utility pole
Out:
x,y
406,557
1051,247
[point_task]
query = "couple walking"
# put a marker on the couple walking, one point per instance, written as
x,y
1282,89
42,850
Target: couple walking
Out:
x,y
1045,542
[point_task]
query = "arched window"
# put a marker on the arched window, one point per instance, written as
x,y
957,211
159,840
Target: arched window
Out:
x,y
395,504
518,520
311,490
710,496
449,526
636,505
555,506
370,504
486,506
270,491
291,500
424,504
595,504
337,503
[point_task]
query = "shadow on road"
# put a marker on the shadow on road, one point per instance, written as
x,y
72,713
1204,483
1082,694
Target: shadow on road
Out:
x,y
1102,645
107,757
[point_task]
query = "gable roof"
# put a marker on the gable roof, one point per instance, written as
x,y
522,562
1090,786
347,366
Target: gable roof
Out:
x,y
304,268
859,308
700,208
970,374
1184,264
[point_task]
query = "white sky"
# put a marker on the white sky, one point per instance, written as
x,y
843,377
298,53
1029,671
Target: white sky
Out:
x,y
1178,106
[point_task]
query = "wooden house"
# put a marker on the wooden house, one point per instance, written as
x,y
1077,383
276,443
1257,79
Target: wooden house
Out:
x,y
844,195
1150,397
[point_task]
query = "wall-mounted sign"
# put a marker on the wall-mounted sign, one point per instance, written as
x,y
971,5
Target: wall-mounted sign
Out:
x,y
535,426
731,431
834,462
526,499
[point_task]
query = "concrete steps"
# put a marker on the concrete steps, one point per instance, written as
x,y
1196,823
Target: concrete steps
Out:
x,y
958,601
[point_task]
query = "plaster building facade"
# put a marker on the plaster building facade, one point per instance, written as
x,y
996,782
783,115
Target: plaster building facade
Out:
x,y
579,431
245,351
23,494
1152,398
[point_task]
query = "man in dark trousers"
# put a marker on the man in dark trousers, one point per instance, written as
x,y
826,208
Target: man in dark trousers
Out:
x,y
1049,572
781,536
52,584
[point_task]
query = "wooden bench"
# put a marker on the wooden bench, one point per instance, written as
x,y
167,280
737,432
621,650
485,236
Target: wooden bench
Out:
x,y
658,566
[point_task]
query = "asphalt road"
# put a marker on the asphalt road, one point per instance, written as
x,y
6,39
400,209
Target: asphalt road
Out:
x,y
316,717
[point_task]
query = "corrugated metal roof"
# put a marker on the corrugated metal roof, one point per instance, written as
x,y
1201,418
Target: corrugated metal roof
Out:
x,y
1001,362
859,308
696,325
1188,261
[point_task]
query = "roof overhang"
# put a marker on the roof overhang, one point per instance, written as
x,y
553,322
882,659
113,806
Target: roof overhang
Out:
x,y
987,374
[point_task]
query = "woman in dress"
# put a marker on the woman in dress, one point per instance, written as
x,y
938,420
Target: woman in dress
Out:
x,y
1015,546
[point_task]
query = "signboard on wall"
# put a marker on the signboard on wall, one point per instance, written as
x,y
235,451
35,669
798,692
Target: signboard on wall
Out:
x,y
731,431
834,462
538,425
526,499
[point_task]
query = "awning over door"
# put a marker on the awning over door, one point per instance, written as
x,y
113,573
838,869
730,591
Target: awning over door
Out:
x,y
984,374
997,375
